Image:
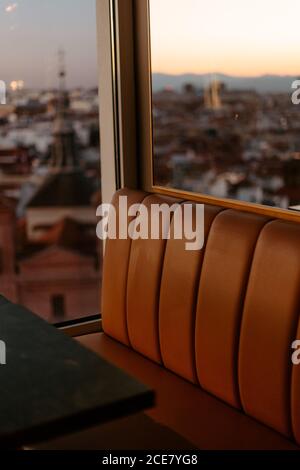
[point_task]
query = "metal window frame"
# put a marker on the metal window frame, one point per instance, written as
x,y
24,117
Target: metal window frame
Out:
x,y
117,96
81,327
117,115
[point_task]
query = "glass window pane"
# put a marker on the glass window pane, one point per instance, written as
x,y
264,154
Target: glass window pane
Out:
x,y
49,157
224,123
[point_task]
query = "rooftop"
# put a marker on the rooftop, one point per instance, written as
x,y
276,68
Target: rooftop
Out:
x,y
64,189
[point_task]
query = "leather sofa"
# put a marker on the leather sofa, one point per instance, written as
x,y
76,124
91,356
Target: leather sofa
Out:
x,y
211,330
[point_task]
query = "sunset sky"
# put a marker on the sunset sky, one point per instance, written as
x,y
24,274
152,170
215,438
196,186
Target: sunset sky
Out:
x,y
235,37
31,33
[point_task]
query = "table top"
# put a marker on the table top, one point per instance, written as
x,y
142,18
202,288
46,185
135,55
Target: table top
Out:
x,y
51,385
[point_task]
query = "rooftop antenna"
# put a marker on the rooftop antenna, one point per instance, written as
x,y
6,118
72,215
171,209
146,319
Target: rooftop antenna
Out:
x,y
64,146
62,81
62,70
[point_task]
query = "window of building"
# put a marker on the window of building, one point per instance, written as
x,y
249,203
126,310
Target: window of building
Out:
x,y
58,306
224,124
49,156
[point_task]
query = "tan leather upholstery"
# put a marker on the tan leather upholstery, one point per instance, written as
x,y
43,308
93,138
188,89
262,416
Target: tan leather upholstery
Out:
x,y
144,276
295,397
114,280
223,283
223,318
269,327
181,275
205,421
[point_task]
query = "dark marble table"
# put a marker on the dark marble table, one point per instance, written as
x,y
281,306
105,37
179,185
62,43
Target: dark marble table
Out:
x,y
51,385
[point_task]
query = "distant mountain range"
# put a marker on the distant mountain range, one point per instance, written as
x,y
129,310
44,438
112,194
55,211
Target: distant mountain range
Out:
x,y
261,84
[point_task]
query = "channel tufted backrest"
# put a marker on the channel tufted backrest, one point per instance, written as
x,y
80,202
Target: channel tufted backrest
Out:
x,y
223,317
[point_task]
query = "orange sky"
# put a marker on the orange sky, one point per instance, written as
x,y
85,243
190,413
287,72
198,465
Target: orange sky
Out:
x,y
235,37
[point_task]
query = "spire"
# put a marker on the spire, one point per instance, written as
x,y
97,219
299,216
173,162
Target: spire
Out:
x,y
66,184
64,151
212,96
62,70
63,101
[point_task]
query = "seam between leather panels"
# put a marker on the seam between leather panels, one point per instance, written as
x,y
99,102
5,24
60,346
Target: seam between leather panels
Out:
x,y
291,382
291,436
197,296
164,200
259,224
197,299
291,366
126,282
180,202
242,306
294,329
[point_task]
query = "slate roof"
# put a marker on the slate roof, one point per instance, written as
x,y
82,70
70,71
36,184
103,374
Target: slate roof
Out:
x,y
64,189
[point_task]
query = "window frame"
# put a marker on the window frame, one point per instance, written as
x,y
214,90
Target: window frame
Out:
x,y
117,116
117,111
82,326
109,135
142,35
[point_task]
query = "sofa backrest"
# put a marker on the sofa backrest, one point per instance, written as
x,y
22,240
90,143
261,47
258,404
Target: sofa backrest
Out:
x,y
223,317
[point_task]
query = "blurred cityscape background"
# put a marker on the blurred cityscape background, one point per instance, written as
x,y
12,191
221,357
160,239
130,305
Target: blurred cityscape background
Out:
x,y
228,137
50,258
224,122
49,190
